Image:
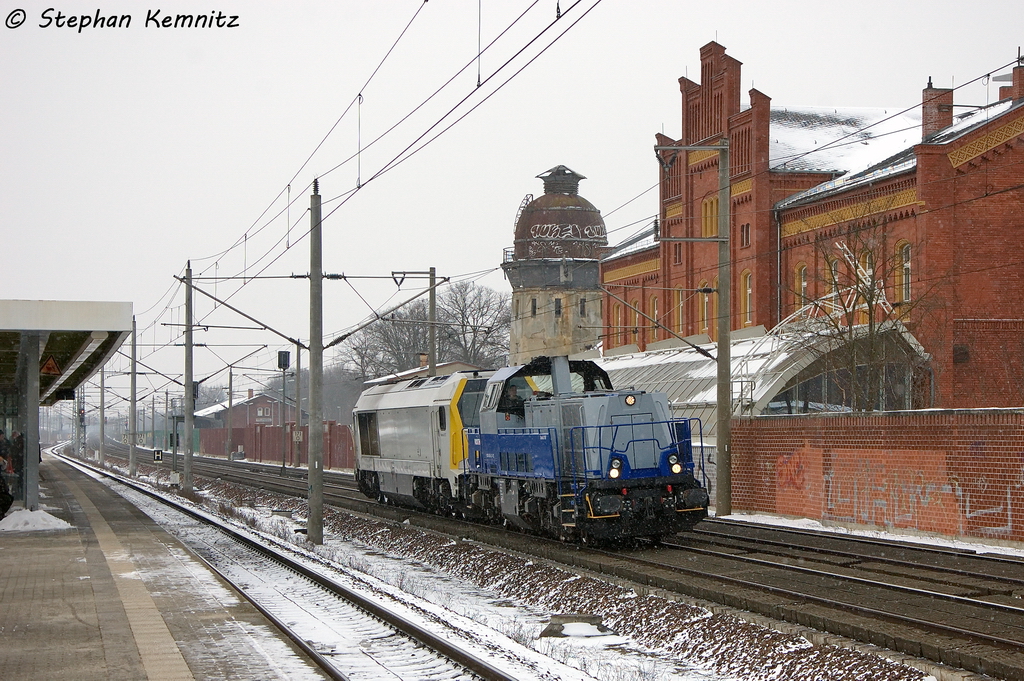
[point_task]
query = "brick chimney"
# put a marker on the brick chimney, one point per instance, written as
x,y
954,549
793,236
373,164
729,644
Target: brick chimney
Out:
x,y
250,393
1016,90
936,109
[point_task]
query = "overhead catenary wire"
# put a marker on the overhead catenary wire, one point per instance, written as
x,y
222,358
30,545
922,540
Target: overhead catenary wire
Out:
x,y
409,151
751,258
347,195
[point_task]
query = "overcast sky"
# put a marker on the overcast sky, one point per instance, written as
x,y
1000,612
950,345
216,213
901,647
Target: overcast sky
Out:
x,y
128,151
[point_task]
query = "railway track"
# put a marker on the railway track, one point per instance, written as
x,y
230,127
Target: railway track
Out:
x,y
954,607
317,610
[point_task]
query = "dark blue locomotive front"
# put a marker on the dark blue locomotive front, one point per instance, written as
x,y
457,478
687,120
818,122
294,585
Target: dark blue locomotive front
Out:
x,y
558,450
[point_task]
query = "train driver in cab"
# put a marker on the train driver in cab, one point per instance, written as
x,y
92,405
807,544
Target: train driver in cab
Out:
x,y
512,404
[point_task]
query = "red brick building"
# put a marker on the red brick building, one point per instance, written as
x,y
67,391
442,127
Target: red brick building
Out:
x,y
927,202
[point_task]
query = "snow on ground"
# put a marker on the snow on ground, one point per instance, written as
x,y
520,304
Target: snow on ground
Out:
x,y
31,521
926,539
506,598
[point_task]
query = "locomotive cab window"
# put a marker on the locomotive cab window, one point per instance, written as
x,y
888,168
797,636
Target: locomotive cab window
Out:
x,y
469,402
442,422
513,396
369,441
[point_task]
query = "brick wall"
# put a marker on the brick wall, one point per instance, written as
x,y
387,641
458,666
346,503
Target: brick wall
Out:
x,y
949,472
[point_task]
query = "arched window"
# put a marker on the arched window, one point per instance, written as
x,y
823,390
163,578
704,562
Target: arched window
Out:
x,y
709,217
903,279
801,284
636,321
867,294
713,322
832,281
747,299
680,317
867,265
617,334
654,315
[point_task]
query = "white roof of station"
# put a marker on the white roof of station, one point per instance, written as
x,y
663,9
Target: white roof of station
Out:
x,y
762,366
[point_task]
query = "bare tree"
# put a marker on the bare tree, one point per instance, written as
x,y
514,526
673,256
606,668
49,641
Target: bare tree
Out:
x,y
475,324
472,323
857,326
210,395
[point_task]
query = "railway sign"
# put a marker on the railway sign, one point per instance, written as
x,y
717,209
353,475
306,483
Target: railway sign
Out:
x,y
50,367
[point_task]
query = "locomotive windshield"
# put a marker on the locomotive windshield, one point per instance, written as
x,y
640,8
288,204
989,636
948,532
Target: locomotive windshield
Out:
x,y
584,375
469,402
534,380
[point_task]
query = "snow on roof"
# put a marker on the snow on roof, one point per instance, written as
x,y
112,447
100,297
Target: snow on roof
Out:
x,y
443,369
859,144
838,140
899,160
222,406
634,244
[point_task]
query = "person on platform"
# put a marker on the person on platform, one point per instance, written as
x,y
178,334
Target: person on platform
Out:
x,y
17,451
6,498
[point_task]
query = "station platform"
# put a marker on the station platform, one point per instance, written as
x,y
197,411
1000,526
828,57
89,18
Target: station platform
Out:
x,y
116,597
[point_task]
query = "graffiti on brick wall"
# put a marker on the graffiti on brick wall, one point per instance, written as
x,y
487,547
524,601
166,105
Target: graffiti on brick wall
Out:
x,y
876,492
789,469
798,482
955,474
984,493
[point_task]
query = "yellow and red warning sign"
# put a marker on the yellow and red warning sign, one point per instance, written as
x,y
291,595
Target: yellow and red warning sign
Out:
x,y
50,368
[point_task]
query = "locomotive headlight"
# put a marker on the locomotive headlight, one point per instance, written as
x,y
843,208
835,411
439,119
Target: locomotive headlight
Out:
x,y
630,400
616,468
677,468
673,459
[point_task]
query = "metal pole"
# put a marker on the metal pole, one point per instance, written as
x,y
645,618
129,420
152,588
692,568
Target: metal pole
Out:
x,y
167,405
284,412
133,464
152,421
432,327
30,422
315,524
723,502
297,446
231,414
101,452
190,400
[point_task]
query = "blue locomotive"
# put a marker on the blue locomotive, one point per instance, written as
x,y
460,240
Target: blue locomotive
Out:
x,y
548,446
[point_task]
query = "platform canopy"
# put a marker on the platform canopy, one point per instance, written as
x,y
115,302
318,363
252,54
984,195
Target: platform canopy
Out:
x,y
76,338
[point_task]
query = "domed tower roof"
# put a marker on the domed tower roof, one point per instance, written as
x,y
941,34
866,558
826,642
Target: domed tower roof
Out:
x,y
561,223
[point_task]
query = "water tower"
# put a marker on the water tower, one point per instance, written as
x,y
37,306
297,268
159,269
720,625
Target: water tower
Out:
x,y
553,269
